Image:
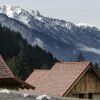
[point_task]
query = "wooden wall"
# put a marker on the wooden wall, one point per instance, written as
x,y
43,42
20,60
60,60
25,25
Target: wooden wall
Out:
x,y
89,83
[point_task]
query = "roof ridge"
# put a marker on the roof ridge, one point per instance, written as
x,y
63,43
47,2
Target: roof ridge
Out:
x,y
40,70
73,62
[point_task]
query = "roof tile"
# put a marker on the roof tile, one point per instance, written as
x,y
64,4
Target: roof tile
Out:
x,y
6,74
4,70
58,80
36,76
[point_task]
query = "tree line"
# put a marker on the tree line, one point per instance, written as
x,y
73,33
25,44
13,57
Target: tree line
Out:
x,y
21,57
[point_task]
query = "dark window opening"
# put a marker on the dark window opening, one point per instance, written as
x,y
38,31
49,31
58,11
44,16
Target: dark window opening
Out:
x,y
81,95
90,96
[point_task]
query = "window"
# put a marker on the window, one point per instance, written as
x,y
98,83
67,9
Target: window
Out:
x,y
90,96
81,95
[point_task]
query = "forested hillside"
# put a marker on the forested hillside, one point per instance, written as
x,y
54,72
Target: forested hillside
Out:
x,y
21,57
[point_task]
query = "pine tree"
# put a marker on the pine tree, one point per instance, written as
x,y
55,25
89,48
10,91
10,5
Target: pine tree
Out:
x,y
80,57
97,66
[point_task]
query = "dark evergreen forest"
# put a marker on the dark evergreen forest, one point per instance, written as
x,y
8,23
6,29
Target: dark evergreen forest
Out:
x,y
21,57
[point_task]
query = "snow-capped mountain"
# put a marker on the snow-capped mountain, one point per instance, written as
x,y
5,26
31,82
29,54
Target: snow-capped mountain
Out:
x,y
64,39
85,25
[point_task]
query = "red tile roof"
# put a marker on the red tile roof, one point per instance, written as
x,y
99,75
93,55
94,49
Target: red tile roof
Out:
x,y
6,74
60,78
4,70
36,76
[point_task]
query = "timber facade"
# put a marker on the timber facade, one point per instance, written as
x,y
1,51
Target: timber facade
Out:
x,y
88,87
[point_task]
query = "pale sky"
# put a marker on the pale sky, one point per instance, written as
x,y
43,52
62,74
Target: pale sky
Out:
x,y
77,11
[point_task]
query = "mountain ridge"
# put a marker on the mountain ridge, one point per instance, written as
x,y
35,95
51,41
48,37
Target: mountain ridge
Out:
x,y
64,39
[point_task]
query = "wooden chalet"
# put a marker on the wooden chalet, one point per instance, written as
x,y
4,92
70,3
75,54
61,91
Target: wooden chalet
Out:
x,y
68,79
9,81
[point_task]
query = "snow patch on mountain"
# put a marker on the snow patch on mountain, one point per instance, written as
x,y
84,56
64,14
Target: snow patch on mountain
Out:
x,y
16,13
36,14
7,9
85,25
68,25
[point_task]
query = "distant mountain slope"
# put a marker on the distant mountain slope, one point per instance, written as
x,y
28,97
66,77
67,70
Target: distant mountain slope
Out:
x,y
64,39
21,57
